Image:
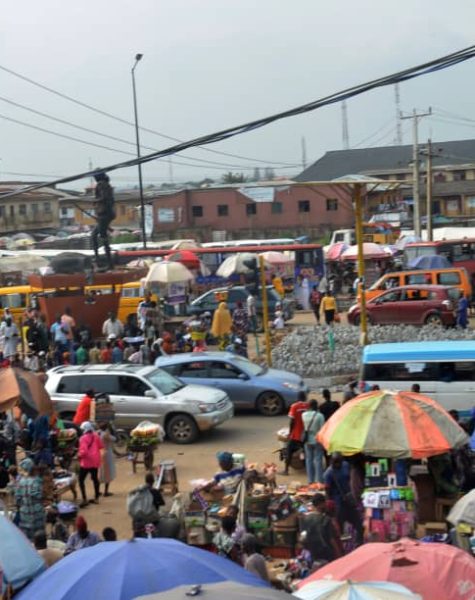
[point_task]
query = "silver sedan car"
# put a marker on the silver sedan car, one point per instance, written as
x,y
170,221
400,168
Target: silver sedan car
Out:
x,y
270,391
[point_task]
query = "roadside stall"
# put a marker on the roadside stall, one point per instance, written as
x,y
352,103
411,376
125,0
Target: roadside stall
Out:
x,y
392,427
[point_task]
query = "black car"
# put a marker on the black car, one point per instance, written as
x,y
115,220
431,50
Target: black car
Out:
x,y
207,302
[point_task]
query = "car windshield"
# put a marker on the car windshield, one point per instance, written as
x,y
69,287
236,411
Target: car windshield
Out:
x,y
164,382
248,366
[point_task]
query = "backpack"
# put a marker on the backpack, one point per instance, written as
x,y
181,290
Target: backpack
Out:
x,y
140,505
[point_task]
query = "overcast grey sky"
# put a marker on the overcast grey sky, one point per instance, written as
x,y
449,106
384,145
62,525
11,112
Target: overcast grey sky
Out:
x,y
209,64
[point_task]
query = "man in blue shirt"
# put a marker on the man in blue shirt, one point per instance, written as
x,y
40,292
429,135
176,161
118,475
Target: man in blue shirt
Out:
x,y
59,332
337,482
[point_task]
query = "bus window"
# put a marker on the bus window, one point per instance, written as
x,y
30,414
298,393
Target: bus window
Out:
x,y
416,279
131,292
13,301
451,278
304,258
457,371
412,371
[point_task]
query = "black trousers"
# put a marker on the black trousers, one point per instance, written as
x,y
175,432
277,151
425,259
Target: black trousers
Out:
x,y
83,473
348,513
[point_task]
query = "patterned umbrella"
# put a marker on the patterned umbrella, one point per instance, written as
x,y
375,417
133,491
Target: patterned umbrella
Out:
x,y
276,258
330,589
336,250
392,424
370,250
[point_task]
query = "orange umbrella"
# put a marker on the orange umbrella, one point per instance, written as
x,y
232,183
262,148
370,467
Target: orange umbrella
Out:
x,y
393,425
431,570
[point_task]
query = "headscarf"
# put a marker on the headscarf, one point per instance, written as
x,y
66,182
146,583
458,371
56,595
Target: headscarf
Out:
x,y
81,526
224,457
222,322
87,427
27,465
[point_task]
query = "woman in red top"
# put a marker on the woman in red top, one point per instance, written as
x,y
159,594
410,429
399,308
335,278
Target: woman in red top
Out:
x,y
83,411
90,446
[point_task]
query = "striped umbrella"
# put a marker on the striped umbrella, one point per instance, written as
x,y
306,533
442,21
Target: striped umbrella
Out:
x,y
392,424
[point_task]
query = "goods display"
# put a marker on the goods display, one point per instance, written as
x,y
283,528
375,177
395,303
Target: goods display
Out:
x,y
147,433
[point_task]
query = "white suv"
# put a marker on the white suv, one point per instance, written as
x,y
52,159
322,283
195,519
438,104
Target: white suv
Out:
x,y
142,393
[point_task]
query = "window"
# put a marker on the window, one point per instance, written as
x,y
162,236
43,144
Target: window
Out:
x,y
64,211
195,369
13,301
197,211
410,371
12,210
22,210
2,212
418,279
223,370
304,206
223,210
451,278
132,386
332,204
251,209
459,175
78,384
164,382
276,208
389,297
47,207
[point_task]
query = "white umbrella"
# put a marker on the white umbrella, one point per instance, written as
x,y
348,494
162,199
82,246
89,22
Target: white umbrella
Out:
x,y
370,250
463,511
168,272
330,589
276,258
236,264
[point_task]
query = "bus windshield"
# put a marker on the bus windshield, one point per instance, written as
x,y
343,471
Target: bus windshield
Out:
x,y
412,252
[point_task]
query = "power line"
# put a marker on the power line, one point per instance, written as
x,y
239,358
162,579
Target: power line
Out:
x,y
375,133
114,138
126,122
405,75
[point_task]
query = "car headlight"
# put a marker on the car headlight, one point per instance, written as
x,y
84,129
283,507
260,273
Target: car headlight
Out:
x,y
206,408
291,386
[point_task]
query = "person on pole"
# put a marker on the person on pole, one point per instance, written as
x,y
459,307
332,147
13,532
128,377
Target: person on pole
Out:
x,y
105,214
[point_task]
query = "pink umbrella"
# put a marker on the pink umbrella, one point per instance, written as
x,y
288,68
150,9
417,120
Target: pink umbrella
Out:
x,y
431,570
370,250
336,250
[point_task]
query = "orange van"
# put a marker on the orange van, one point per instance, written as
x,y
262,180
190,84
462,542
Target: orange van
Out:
x,y
452,277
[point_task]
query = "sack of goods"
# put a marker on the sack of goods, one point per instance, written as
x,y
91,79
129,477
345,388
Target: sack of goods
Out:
x,y
67,435
140,505
147,433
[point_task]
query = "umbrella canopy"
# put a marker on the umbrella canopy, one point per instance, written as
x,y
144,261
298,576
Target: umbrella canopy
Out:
x,y
127,569
185,257
236,264
19,561
329,589
463,511
218,591
336,250
276,258
407,239
391,250
392,424
34,399
434,261
370,250
431,570
168,272
139,263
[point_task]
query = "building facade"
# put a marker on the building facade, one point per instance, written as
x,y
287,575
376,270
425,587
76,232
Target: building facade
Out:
x,y
232,212
29,211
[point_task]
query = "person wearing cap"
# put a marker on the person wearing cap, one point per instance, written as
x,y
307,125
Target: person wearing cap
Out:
x,y
112,326
82,537
237,347
230,476
29,499
90,446
83,411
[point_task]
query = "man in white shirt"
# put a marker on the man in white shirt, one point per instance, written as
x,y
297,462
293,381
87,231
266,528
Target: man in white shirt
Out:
x,y
251,312
112,326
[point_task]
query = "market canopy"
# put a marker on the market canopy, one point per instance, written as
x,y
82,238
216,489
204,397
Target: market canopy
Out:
x,y
276,258
370,251
237,264
463,510
185,257
330,589
167,272
127,569
392,424
335,251
228,590
435,571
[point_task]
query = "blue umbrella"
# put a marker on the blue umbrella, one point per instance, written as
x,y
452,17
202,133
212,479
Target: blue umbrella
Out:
x,y
434,261
127,569
19,561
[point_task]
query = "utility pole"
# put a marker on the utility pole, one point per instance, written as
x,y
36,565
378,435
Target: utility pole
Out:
x,y
304,153
415,167
345,132
429,154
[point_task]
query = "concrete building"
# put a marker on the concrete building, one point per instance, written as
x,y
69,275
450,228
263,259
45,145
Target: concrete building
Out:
x,y
453,174
237,211
29,211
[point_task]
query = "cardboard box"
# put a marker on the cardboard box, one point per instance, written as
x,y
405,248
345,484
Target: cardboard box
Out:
x,y
285,539
289,523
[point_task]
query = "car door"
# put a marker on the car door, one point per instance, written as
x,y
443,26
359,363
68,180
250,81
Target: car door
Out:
x,y
384,308
226,376
193,372
414,305
133,404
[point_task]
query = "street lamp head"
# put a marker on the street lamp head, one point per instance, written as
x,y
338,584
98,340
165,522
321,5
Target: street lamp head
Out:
x,y
138,57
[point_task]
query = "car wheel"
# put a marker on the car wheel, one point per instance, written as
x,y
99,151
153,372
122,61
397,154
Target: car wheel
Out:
x,y
182,429
434,319
357,321
119,446
270,404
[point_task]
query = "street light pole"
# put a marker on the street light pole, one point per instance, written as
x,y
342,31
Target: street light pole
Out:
x,y
138,57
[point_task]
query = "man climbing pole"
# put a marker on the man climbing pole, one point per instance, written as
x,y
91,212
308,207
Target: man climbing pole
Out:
x,y
105,214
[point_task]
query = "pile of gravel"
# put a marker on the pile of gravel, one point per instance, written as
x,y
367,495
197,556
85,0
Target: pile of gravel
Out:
x,y
307,351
